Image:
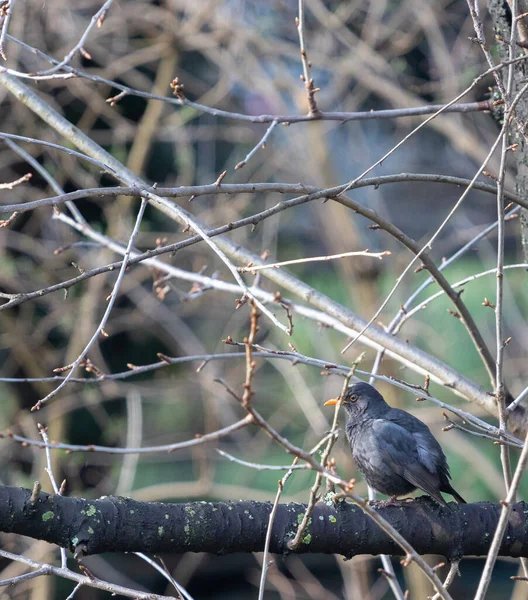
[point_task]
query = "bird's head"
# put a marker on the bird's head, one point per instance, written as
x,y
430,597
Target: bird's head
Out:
x,y
361,398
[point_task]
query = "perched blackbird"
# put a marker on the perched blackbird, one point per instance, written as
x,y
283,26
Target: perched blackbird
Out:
x,y
394,450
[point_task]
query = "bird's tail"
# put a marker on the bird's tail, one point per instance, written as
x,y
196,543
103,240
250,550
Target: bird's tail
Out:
x,y
455,494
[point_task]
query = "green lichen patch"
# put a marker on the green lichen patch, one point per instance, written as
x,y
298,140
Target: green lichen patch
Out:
x,y
90,511
48,515
300,518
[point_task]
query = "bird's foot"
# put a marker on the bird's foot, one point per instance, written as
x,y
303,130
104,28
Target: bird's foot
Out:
x,y
392,501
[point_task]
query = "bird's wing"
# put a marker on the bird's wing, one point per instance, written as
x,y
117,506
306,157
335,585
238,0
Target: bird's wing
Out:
x,y
399,449
431,454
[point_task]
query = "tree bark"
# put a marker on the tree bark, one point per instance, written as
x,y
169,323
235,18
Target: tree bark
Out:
x,y
115,524
501,18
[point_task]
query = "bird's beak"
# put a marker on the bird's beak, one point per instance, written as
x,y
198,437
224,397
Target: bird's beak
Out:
x,y
332,401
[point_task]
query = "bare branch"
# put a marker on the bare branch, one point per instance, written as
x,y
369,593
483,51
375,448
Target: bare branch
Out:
x,y
83,579
298,261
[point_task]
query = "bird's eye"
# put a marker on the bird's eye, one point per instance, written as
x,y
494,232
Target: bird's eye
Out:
x,y
353,398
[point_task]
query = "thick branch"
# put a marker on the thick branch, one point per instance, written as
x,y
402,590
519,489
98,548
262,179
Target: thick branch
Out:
x,y
114,524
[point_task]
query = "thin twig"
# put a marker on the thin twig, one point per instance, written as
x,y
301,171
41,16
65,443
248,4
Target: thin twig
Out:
x,y
102,324
306,77
502,524
409,313
518,400
264,118
335,312
298,261
83,579
49,470
265,561
486,436
41,170
97,19
22,138
294,543
25,577
4,26
162,570
260,467
453,572
500,388
74,591
260,144
12,184
196,441
466,317
102,193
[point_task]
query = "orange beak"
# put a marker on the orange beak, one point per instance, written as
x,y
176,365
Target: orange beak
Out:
x,y
332,401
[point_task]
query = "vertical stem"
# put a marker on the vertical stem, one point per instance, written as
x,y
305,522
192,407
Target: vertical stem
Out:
x,y
499,380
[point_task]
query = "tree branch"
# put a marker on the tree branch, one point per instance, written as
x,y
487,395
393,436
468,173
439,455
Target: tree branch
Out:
x,y
115,524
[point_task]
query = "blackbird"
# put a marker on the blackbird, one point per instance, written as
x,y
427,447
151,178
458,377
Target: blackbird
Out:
x,y
395,451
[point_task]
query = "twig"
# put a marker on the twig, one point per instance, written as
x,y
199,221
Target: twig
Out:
x,y
197,440
294,543
4,26
97,19
83,579
336,313
49,470
102,324
260,144
264,118
7,222
74,591
404,313
250,188
424,303
162,570
13,184
22,138
496,439
453,572
395,349
265,561
306,78
297,261
41,170
502,524
500,389
466,317
518,400
260,467
394,325
25,577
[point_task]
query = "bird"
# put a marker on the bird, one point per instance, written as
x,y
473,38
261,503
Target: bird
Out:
x,y
395,451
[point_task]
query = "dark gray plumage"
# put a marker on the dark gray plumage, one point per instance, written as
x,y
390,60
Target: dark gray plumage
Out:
x,y
395,451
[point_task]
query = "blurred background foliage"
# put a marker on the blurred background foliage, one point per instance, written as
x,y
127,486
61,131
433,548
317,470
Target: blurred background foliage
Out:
x,y
243,56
